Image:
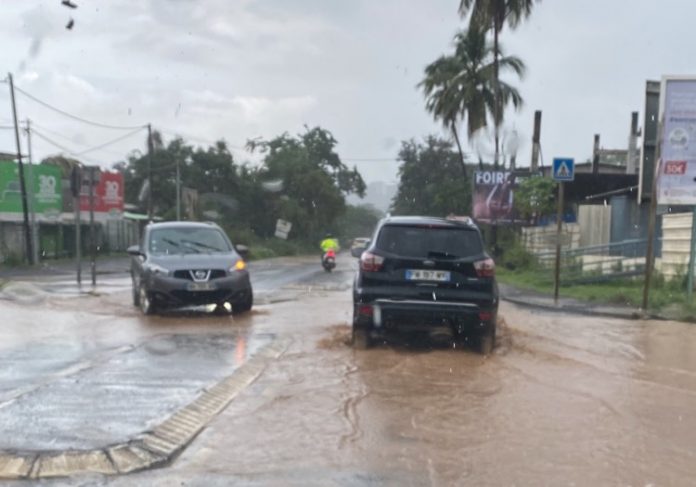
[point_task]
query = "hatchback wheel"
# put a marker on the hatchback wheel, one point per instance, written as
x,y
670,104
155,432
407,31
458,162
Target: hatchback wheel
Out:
x,y
243,305
147,302
136,295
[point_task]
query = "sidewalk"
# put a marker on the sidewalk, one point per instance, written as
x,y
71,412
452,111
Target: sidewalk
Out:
x,y
534,299
105,265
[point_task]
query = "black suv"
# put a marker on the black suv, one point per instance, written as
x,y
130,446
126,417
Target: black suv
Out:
x,y
189,263
426,275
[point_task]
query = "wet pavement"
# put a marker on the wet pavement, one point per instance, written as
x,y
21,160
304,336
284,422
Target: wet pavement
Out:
x,y
120,393
563,400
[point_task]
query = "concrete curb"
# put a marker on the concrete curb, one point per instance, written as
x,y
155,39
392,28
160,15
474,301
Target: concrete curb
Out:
x,y
150,449
628,315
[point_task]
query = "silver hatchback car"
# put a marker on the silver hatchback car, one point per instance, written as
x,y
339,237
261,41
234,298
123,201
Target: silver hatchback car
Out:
x,y
189,263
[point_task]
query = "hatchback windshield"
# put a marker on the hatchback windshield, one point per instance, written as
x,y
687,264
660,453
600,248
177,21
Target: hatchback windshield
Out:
x,y
429,242
187,240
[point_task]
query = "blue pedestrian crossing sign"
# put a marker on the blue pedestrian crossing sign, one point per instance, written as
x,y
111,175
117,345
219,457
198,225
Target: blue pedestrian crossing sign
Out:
x,y
563,169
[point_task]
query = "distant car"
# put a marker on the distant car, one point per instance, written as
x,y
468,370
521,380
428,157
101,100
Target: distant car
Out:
x,y
188,263
358,246
426,275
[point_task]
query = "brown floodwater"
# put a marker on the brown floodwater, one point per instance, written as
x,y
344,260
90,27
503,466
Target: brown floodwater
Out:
x,y
563,400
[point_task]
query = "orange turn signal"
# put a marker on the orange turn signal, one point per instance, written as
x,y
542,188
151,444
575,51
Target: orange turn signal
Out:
x,y
240,265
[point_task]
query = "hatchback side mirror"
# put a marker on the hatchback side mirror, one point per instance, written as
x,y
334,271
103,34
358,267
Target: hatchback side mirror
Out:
x,y
134,251
242,250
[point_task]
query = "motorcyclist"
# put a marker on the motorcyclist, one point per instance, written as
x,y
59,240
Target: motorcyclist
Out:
x,y
329,243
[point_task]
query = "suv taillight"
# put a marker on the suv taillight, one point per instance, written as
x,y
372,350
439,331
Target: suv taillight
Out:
x,y
370,262
485,268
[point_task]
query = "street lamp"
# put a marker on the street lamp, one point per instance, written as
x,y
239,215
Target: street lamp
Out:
x,y
512,145
188,161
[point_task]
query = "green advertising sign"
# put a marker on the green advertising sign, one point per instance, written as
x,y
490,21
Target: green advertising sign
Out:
x,y
44,185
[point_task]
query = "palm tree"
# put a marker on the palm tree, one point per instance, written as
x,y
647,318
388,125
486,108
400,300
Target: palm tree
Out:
x,y
461,86
494,14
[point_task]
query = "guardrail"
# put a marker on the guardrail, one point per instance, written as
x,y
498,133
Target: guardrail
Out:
x,y
598,263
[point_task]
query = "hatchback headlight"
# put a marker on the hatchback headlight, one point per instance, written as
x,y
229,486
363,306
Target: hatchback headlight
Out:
x,y
240,265
158,269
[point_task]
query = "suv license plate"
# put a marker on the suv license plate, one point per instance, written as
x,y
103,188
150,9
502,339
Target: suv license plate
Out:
x,y
427,275
201,286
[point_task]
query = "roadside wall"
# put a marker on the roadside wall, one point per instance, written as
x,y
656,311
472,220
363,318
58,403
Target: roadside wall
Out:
x,y
11,242
595,224
676,238
543,239
57,240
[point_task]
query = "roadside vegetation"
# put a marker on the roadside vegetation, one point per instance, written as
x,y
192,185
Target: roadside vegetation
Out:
x,y
668,298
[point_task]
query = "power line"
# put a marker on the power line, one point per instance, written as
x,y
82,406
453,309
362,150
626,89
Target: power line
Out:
x,y
52,142
370,159
65,137
89,148
110,142
75,117
62,147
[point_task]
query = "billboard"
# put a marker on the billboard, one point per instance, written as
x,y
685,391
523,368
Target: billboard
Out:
x,y
108,193
493,196
44,184
676,183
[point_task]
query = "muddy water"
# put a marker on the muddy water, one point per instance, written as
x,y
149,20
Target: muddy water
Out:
x,y
563,400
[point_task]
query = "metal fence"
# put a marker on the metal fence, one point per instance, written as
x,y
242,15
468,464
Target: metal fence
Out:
x,y
598,263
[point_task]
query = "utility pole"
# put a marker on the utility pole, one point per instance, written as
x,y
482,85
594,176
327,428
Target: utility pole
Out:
x,y
559,232
632,157
150,213
32,198
595,155
22,182
76,189
650,251
536,138
178,190
92,238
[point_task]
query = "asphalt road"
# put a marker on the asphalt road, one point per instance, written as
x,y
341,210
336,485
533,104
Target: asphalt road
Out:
x,y
563,400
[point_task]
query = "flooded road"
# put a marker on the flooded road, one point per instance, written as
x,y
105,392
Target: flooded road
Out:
x,y
563,400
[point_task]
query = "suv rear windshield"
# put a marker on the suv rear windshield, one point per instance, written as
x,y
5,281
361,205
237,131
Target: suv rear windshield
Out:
x,y
434,242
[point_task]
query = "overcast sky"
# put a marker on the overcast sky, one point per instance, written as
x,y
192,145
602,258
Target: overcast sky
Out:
x,y
247,68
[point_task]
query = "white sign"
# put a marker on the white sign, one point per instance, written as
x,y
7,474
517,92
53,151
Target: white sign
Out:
x,y
676,183
47,193
283,228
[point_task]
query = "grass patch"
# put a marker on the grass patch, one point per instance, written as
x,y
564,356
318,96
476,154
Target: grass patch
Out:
x,y
667,298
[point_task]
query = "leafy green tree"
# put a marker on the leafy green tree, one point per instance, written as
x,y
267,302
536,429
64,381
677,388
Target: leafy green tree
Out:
x,y
534,197
431,180
462,86
495,14
66,164
358,221
313,179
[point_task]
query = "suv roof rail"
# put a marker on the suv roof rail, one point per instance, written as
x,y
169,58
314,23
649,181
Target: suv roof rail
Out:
x,y
463,219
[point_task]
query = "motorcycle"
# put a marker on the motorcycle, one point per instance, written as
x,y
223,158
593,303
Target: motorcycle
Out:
x,y
328,261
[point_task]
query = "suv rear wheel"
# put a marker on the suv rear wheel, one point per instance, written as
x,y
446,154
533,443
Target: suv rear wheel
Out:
x,y
361,339
485,343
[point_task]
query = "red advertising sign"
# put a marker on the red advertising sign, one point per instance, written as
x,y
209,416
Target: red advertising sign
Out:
x,y
108,193
675,168
492,198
